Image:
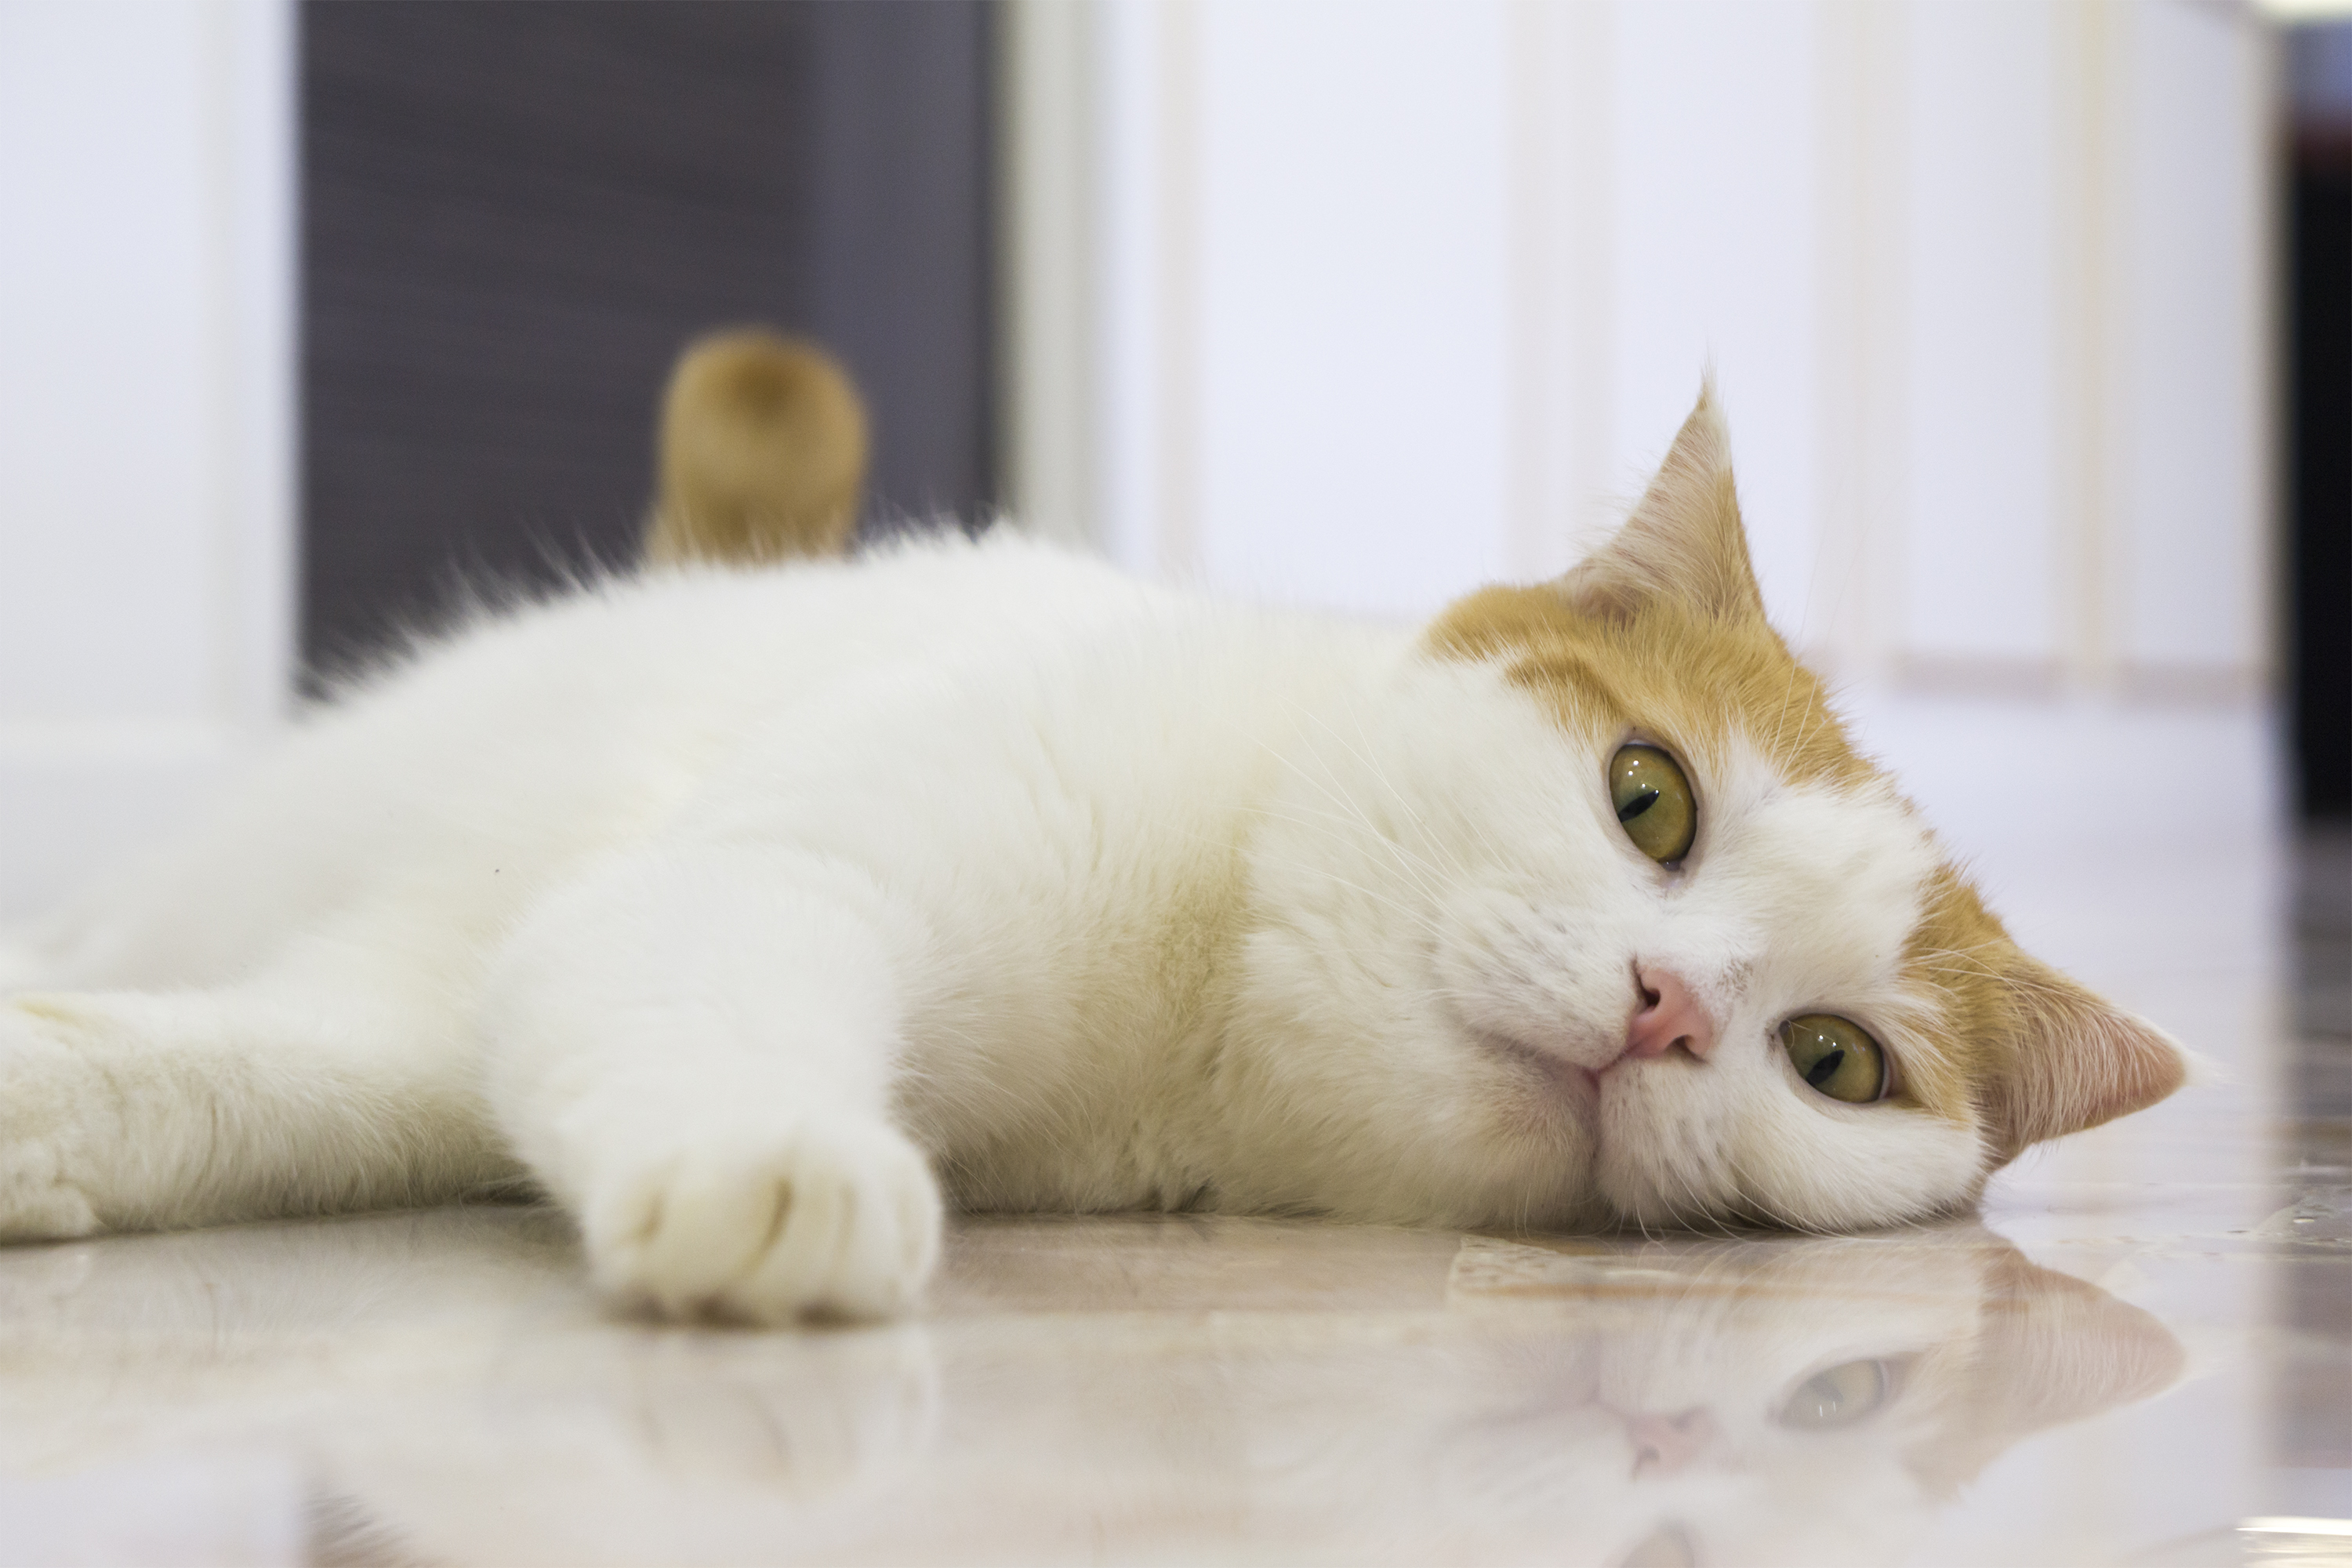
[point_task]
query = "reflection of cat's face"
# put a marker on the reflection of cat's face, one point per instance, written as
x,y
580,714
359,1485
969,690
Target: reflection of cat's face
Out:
x,y
1755,1402
1687,1448
1760,1406
1594,915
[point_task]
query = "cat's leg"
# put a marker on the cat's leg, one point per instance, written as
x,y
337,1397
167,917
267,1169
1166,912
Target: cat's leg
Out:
x,y
130,1111
694,1050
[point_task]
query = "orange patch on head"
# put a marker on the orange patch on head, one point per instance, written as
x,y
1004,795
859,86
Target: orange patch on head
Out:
x,y
1664,626
1691,680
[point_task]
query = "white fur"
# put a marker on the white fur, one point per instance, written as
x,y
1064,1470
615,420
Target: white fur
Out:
x,y
742,911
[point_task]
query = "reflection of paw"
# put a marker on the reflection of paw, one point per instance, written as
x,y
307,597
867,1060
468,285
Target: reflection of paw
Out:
x,y
42,1286
838,1219
838,1419
39,1081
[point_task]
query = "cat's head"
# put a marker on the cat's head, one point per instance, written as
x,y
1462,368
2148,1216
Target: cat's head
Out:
x,y
1625,929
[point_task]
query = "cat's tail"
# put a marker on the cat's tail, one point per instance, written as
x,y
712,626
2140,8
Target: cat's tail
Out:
x,y
762,454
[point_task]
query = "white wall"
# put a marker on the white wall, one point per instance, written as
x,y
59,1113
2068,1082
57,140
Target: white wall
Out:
x,y
1391,296
146,453
1981,558
1326,387
2187,315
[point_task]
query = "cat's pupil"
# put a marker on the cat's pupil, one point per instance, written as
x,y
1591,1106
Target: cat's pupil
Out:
x,y
1637,805
1826,1068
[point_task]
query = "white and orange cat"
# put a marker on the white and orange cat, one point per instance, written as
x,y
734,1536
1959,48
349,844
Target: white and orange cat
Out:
x,y
757,915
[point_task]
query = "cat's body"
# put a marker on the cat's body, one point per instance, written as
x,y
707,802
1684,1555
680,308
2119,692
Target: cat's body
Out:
x,y
738,909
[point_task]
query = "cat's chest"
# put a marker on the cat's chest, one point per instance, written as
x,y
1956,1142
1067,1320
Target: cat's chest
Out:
x,y
1077,1074
1108,1120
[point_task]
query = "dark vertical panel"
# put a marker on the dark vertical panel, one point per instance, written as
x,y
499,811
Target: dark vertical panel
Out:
x,y
516,211
905,195
2319,352
2321,478
2311,1396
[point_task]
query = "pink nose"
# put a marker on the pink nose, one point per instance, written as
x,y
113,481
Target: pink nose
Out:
x,y
1665,1444
1668,1016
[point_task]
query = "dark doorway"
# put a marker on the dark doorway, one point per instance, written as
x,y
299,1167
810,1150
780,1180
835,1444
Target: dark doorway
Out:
x,y
2320,309
515,212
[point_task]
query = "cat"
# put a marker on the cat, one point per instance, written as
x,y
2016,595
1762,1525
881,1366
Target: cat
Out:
x,y
755,916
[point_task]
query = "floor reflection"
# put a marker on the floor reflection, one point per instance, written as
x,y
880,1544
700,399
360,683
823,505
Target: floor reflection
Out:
x,y
1116,1389
1772,1401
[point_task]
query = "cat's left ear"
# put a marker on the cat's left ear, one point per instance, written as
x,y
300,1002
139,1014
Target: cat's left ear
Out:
x,y
2079,1061
1684,542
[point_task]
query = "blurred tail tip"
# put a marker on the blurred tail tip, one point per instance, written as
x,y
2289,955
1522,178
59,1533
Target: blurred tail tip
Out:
x,y
763,449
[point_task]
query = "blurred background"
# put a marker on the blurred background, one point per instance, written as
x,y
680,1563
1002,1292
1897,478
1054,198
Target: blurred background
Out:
x,y
308,311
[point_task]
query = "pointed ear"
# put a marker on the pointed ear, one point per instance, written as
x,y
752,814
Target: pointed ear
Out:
x,y
1684,542
2079,1061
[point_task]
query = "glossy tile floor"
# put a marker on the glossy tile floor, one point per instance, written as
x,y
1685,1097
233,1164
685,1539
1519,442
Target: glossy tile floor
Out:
x,y
2139,1352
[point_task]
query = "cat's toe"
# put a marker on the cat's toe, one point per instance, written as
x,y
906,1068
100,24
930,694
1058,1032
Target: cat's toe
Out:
x,y
35,1205
41,1116
840,1221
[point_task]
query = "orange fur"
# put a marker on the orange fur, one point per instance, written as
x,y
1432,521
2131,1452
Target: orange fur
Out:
x,y
763,452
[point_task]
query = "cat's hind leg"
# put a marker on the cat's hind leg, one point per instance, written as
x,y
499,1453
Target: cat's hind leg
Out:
x,y
135,1110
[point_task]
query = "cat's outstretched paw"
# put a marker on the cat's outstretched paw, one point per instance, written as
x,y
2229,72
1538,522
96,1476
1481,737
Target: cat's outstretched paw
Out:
x,y
42,1118
840,1220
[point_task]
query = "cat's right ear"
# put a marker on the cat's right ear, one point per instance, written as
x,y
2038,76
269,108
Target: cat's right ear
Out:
x,y
1684,542
2078,1060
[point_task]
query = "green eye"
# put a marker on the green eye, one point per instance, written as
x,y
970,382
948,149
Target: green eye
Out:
x,y
1840,1397
1835,1057
1653,802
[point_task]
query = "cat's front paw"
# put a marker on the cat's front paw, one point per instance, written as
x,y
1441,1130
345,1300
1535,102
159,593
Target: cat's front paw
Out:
x,y
835,1220
45,1113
